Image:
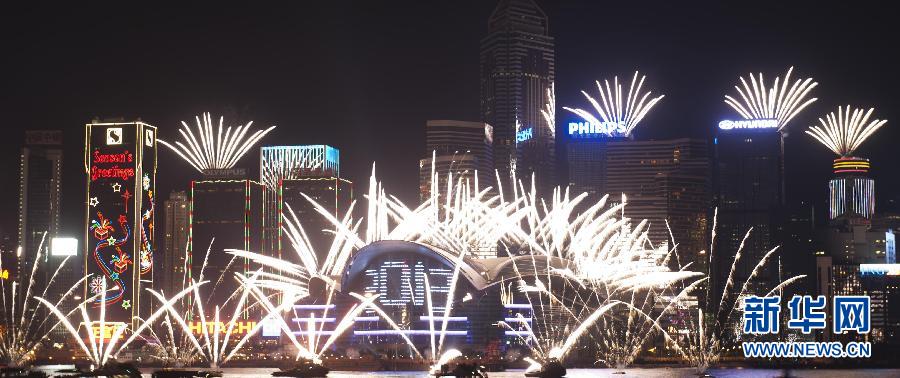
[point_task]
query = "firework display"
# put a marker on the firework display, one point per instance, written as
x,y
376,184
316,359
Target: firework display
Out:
x,y
210,148
618,115
845,131
779,102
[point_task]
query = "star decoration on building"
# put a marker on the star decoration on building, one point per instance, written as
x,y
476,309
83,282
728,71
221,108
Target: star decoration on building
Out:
x,y
111,240
126,304
116,187
94,202
122,218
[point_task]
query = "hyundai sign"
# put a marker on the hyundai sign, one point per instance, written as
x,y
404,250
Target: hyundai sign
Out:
x,y
748,124
590,129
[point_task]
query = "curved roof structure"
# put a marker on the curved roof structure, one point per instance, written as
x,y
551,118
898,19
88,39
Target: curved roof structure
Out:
x,y
480,273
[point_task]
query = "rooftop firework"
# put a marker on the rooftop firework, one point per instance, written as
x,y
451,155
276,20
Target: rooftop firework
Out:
x,y
627,113
845,131
778,102
213,149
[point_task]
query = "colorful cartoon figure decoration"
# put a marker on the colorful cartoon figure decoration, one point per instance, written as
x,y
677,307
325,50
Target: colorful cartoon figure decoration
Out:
x,y
111,264
146,262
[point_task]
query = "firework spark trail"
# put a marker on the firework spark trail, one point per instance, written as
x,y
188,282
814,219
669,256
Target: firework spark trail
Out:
x,y
706,347
549,111
213,150
627,114
844,133
22,337
778,102
609,256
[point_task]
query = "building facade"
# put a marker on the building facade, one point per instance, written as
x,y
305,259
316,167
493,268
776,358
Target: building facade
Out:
x,y
224,214
175,243
294,174
517,69
459,148
120,162
748,177
663,181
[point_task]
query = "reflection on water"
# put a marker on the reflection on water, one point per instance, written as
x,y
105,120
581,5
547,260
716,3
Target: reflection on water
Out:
x,y
585,373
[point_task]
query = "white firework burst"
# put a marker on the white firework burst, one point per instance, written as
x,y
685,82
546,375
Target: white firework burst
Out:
x,y
782,102
845,131
625,112
211,148
549,111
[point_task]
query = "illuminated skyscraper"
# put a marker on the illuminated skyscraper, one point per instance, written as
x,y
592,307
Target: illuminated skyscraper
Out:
x,y
120,162
174,253
749,193
289,173
225,213
40,170
460,148
851,191
517,68
663,181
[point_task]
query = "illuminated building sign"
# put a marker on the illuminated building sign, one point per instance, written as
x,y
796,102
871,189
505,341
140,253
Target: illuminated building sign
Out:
x,y
879,269
589,129
524,135
64,247
107,330
237,328
120,162
748,124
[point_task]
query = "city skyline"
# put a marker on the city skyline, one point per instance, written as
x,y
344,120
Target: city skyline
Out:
x,y
346,106
336,179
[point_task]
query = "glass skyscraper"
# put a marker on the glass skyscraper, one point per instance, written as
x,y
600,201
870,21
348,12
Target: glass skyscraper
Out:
x,y
517,69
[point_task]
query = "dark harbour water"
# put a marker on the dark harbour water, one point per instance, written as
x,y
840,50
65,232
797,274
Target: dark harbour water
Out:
x,y
585,373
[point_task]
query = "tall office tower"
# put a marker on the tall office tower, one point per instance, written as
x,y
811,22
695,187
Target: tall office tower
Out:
x,y
289,173
664,180
517,68
225,213
458,147
587,158
40,169
851,191
748,177
175,247
120,162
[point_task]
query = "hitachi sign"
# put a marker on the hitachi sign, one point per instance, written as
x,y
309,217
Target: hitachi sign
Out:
x,y
604,128
749,124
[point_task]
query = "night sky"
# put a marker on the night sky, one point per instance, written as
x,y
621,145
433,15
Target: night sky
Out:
x,y
364,76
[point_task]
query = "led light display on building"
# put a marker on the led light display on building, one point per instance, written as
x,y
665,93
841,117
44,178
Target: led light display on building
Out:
x,y
851,192
289,162
120,162
879,269
64,247
524,135
744,124
890,247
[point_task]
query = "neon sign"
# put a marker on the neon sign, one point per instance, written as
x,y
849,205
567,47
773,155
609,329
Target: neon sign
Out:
x,y
237,328
591,129
748,124
524,135
879,269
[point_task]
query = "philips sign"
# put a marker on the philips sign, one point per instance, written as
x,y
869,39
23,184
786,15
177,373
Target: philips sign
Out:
x,y
593,129
749,124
